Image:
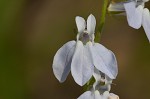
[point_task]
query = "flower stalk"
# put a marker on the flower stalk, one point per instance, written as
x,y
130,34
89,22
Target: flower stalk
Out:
x,y
102,20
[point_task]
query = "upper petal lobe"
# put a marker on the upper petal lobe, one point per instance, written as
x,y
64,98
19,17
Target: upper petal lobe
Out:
x,y
81,24
91,23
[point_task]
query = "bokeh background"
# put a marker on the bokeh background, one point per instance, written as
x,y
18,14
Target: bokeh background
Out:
x,y
31,31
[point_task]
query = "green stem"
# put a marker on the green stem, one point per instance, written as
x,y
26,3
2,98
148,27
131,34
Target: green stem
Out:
x,y
89,83
102,21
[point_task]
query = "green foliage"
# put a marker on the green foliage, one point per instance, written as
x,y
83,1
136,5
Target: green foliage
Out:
x,y
11,69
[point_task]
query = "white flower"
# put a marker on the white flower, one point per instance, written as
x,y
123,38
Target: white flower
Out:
x,y
101,78
94,95
82,55
119,6
97,95
138,16
99,91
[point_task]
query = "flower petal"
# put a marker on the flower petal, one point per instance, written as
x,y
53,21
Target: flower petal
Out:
x,y
81,66
97,77
134,15
104,60
108,80
86,95
80,22
105,95
91,23
113,96
62,61
108,83
97,95
146,22
97,74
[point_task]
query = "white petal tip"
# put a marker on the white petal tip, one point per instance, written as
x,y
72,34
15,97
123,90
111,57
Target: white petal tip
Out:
x,y
80,22
91,24
146,10
91,15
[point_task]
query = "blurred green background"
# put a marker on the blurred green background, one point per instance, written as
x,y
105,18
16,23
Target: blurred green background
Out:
x,y
31,31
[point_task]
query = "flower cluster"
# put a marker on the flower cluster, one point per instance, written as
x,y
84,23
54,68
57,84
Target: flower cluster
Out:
x,y
137,14
85,59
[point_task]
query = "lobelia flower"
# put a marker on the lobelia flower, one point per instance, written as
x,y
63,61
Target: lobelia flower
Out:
x,y
119,6
82,55
96,95
98,91
137,15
